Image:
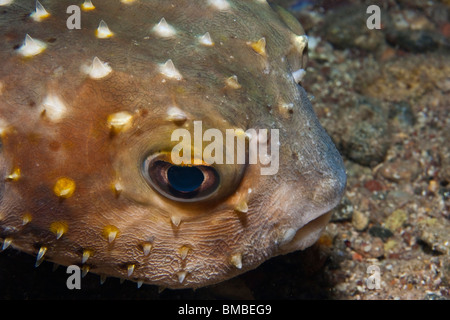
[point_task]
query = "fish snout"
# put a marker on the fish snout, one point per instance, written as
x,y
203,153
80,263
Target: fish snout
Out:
x,y
329,187
316,191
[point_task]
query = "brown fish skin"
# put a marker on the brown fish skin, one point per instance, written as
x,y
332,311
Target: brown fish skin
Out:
x,y
75,189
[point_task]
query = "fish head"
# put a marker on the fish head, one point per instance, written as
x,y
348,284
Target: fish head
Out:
x,y
171,146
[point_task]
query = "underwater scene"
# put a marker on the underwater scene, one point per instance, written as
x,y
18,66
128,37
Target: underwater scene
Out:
x,y
225,150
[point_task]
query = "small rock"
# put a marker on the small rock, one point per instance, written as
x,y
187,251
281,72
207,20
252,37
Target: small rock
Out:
x,y
410,20
414,40
396,220
400,170
373,185
402,114
343,212
357,257
433,186
360,220
445,30
363,132
434,233
412,31
346,27
377,249
434,296
389,245
380,232
398,197
368,248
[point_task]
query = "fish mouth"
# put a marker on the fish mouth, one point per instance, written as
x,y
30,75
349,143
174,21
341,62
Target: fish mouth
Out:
x,y
323,192
305,236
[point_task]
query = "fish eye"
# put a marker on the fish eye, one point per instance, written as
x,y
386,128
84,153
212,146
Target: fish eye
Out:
x,y
185,183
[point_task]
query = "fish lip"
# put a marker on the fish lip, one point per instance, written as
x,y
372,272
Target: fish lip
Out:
x,y
312,219
305,236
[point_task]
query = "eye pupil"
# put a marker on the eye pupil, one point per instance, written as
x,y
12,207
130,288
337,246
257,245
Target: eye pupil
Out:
x,y
185,179
181,183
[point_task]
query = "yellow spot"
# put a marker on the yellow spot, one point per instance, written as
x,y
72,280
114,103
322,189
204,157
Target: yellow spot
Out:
x,y
146,247
176,220
163,29
84,270
14,176
176,115
31,47
5,2
41,252
87,5
232,82
119,122
110,232
116,188
6,243
183,251
53,108
181,276
240,132
206,40
98,69
259,46
130,269
219,4
127,1
59,228
40,13
236,260
40,255
3,125
286,108
298,75
26,218
241,207
86,254
64,187
300,42
169,70
103,31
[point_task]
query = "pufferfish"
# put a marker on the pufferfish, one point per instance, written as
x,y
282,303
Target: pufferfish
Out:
x,y
91,94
